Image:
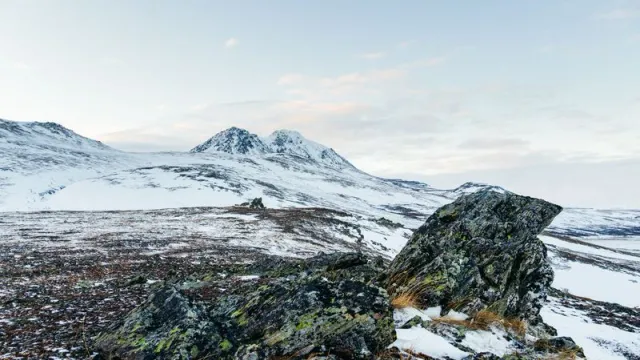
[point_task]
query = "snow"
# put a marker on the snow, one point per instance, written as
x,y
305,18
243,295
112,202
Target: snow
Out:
x,y
248,277
401,316
590,336
598,284
423,341
488,341
585,249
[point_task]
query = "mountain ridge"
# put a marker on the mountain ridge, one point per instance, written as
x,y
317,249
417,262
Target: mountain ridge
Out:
x,y
235,140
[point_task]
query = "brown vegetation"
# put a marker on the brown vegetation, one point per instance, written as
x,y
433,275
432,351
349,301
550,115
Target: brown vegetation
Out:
x,y
484,319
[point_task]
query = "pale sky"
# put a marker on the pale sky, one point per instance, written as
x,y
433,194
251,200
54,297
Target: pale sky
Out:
x,y
541,97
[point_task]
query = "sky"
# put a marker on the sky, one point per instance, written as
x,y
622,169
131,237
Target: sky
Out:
x,y
540,97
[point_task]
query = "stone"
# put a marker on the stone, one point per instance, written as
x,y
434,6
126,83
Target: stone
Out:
x,y
257,204
558,345
330,306
479,252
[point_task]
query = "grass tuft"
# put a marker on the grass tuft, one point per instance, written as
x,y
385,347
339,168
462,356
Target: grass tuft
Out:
x,y
483,321
405,300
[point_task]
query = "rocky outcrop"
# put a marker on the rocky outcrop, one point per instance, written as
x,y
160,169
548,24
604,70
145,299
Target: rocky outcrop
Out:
x,y
479,252
257,204
329,304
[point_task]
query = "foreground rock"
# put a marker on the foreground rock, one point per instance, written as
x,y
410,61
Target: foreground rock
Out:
x,y
327,305
479,252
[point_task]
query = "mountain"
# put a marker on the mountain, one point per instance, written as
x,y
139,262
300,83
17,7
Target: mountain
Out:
x,y
38,159
234,141
45,135
471,187
285,142
293,143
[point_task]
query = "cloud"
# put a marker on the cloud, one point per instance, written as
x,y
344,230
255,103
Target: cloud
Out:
x,y
373,56
290,79
231,42
406,43
429,62
493,144
546,49
619,14
21,66
112,61
359,78
320,108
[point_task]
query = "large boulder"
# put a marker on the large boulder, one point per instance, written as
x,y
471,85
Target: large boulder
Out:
x,y
479,252
327,305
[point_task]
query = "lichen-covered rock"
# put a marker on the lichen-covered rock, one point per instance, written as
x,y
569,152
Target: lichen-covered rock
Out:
x,y
329,305
479,252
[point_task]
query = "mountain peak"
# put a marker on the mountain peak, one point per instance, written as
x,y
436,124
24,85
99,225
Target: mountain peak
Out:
x,y
472,187
292,142
233,141
47,134
289,142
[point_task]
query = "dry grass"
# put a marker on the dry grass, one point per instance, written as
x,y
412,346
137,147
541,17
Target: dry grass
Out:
x,y
416,354
405,300
483,321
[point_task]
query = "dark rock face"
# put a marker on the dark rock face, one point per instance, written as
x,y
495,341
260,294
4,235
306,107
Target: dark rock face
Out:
x,y
329,304
479,252
257,204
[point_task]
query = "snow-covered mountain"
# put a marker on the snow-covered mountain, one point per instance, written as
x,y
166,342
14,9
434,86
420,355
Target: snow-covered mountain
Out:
x,y
288,142
46,135
293,143
234,141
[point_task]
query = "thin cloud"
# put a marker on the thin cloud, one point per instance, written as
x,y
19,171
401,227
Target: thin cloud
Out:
x,y
493,144
112,61
290,79
232,42
373,56
547,49
619,14
407,43
363,78
429,62
21,66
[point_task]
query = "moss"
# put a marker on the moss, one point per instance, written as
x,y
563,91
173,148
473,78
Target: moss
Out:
x,y
165,344
225,345
161,346
242,319
275,338
306,321
194,351
136,327
433,279
140,343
